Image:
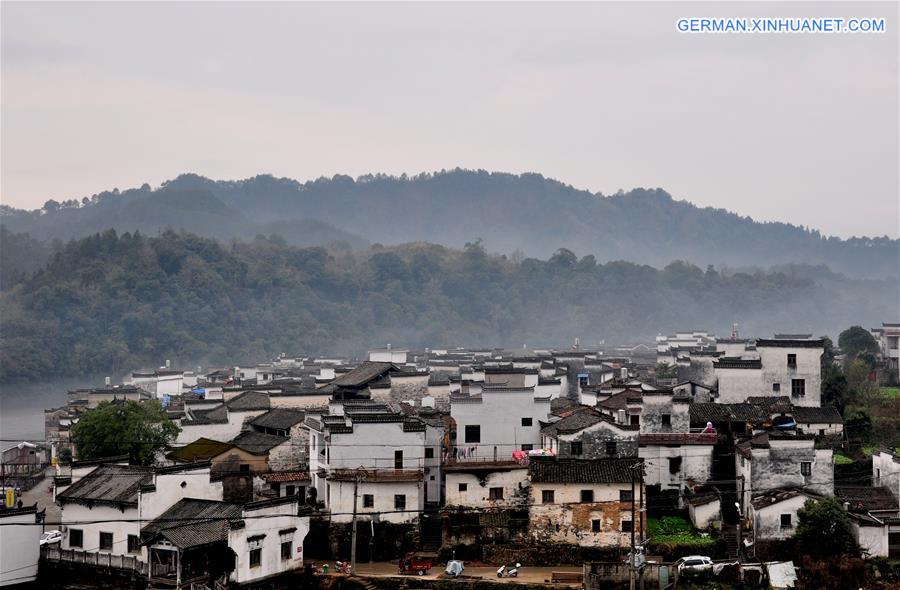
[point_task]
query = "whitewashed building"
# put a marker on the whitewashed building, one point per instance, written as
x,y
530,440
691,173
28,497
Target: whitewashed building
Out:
x,y
20,532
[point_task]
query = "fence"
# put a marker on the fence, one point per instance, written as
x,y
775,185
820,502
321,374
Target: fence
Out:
x,y
93,558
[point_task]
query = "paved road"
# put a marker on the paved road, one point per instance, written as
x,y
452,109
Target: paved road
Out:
x,y
526,574
42,493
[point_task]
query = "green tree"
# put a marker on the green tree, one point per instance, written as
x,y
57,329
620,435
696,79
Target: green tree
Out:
x,y
855,340
139,430
666,371
824,530
834,384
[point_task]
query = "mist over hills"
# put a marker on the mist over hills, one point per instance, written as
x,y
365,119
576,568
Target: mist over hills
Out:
x,y
111,302
525,214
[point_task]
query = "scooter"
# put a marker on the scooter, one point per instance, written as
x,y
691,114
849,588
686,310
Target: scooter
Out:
x,y
511,572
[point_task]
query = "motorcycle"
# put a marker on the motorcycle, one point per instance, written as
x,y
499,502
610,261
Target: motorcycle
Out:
x,y
508,572
342,567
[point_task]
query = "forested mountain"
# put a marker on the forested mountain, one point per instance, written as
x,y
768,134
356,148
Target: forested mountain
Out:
x,y
526,213
109,302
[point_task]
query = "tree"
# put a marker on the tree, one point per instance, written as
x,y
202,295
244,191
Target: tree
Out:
x,y
666,371
139,430
855,340
64,457
824,529
834,384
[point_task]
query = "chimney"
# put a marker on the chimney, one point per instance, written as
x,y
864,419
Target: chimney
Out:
x,y
623,373
620,416
106,381
168,364
389,346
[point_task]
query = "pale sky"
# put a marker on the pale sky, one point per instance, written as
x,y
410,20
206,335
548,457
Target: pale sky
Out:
x,y
796,128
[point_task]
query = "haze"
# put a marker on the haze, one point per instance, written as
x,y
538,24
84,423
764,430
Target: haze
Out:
x,y
797,128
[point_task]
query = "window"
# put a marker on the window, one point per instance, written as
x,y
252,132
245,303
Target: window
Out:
x,y
776,387
587,495
611,447
399,501
526,422
134,544
792,361
595,525
674,464
806,468
106,541
785,521
627,526
798,387
368,501
287,549
626,496
576,448
76,538
429,452
463,487
473,433
666,420
495,494
583,380
290,491
635,420
245,468
547,497
527,447
398,459
255,557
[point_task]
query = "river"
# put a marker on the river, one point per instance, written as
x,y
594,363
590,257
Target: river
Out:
x,y
22,406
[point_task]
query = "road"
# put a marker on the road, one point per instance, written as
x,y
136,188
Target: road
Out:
x,y
526,574
42,493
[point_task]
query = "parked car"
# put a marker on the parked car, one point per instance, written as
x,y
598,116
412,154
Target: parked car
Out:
x,y
694,564
51,537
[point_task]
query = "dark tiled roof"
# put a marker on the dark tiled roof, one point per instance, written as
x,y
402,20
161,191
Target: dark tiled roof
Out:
x,y
779,495
701,413
730,363
867,499
789,343
110,484
582,471
279,419
249,400
579,420
375,475
823,415
286,476
193,523
363,374
217,415
677,438
782,402
202,448
257,442
621,400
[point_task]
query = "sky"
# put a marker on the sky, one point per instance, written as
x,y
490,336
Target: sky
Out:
x,y
603,96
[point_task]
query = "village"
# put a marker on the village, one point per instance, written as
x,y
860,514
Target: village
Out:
x,y
607,466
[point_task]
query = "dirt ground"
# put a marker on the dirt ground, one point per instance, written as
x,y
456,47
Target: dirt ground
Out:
x,y
526,574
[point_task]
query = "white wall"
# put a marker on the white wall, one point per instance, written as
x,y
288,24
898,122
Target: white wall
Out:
x,y
767,521
372,446
809,368
873,540
736,385
340,500
705,514
477,495
886,472
268,521
19,548
500,413
567,520
696,464
99,518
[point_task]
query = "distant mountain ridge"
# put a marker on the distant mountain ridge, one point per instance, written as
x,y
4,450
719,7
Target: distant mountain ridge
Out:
x,y
525,213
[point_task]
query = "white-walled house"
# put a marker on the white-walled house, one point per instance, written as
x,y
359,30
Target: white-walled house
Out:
x,y
584,502
487,484
774,513
498,421
386,495
226,421
886,471
20,532
586,433
789,367
875,515
677,460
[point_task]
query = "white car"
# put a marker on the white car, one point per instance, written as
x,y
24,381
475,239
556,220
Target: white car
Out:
x,y
51,537
694,564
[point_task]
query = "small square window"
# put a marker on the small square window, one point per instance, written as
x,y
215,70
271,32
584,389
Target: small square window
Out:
x,y
576,448
245,468
106,541
611,447
776,387
495,494
798,387
526,422
255,557
368,501
134,544
666,420
473,433
463,487
627,526
287,550
595,525
806,468
792,361
400,502
527,447
626,496
635,420
674,464
429,452
587,495
785,521
547,496
289,490
76,538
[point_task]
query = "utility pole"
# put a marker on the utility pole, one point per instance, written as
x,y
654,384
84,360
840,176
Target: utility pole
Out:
x,y
631,556
643,517
357,478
